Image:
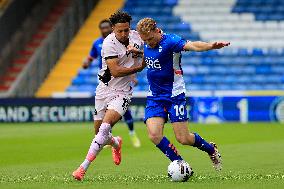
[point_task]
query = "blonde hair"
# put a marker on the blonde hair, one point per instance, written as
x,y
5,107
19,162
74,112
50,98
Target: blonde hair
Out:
x,y
146,25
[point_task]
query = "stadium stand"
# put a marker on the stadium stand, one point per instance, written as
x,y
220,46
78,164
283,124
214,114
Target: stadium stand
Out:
x,y
256,56
255,60
22,57
71,61
3,4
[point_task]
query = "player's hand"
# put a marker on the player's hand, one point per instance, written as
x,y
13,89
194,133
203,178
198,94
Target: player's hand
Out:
x,y
135,52
219,45
86,63
132,49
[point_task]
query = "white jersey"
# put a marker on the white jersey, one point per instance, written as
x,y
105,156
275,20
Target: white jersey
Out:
x,y
113,48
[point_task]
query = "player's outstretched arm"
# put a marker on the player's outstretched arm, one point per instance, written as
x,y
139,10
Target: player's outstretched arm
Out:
x,y
204,46
119,71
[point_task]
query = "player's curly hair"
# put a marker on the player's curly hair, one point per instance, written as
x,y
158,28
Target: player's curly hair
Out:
x,y
120,17
146,25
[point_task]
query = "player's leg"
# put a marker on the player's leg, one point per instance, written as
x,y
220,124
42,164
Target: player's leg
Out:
x,y
155,126
118,106
129,120
184,137
102,138
130,123
178,116
97,124
155,118
98,114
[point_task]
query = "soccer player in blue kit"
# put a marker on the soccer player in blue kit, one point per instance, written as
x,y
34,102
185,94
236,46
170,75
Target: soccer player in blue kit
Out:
x,y
166,98
95,53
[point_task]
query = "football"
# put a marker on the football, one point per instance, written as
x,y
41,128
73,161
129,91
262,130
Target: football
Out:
x,y
179,171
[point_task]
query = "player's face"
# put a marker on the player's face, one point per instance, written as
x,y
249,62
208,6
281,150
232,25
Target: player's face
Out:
x,y
152,38
121,31
106,29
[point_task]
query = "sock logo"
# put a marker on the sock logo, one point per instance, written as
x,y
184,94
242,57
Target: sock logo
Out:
x,y
174,149
99,145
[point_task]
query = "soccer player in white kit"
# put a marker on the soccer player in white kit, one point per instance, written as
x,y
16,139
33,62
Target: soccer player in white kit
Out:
x,y
114,92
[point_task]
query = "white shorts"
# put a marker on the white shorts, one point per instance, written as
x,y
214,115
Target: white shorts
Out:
x,y
117,102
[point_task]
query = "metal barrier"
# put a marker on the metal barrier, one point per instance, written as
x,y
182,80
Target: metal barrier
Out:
x,y
23,33
49,52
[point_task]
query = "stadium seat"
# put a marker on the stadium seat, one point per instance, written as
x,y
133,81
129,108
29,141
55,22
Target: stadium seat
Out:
x,y
254,61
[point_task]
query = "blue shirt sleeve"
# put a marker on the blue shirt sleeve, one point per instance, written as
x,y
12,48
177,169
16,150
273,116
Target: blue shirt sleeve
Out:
x,y
93,52
177,43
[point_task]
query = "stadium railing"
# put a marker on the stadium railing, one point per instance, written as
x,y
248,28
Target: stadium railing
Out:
x,y
23,33
48,53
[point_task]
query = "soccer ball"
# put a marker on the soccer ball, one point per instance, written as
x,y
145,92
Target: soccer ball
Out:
x,y
179,171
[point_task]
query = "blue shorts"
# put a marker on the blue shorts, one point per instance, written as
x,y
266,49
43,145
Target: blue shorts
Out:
x,y
172,107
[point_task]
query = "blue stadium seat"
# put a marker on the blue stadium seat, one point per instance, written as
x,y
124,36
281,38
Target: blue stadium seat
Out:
x,y
262,9
226,69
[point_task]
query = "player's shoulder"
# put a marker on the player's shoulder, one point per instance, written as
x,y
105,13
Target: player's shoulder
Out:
x,y
135,34
109,40
171,36
98,41
170,39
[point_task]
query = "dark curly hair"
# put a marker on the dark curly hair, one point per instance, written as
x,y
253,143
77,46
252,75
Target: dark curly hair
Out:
x,y
120,17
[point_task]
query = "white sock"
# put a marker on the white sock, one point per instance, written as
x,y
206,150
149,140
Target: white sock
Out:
x,y
86,164
101,139
114,142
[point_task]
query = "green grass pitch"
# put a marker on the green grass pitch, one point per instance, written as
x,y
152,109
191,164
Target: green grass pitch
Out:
x,y
43,155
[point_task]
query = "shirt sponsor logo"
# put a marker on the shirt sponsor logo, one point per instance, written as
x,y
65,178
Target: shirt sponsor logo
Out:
x,y
153,64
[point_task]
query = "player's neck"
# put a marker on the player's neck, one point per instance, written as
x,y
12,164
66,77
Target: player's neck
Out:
x,y
159,39
125,43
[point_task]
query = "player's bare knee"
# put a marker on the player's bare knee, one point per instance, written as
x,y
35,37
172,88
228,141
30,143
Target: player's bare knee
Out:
x,y
185,139
155,138
182,140
191,139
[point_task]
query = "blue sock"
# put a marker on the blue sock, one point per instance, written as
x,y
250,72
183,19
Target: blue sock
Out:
x,y
169,149
201,144
129,120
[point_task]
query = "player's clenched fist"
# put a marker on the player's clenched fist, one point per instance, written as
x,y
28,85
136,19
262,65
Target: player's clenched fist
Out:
x,y
135,52
219,45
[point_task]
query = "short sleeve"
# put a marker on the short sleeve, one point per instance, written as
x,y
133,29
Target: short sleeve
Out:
x,y
177,43
93,52
139,40
109,50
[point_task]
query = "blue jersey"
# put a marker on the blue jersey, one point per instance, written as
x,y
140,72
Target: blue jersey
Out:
x,y
96,50
164,71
